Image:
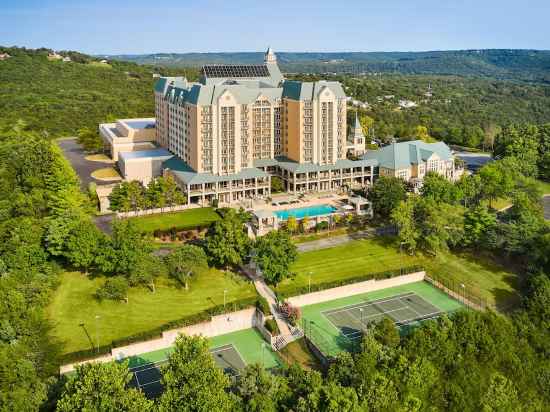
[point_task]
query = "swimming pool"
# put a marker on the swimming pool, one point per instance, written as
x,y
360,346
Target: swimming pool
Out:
x,y
301,212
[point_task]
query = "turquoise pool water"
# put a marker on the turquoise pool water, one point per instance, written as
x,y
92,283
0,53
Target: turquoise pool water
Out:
x,y
301,212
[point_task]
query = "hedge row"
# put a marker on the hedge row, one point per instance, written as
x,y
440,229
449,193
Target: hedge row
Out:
x,y
301,290
156,333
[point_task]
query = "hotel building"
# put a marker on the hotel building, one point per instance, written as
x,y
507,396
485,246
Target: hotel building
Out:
x,y
241,124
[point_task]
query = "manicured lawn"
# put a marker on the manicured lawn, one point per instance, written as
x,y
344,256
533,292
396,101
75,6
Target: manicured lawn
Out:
x,y
74,304
186,219
106,173
480,275
348,260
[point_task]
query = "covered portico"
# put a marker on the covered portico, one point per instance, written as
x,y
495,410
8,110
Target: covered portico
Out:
x,y
204,188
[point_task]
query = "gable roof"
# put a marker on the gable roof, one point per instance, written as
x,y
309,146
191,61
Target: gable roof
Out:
x,y
403,155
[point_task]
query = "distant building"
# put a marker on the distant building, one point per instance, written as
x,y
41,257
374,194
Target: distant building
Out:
x,y
54,56
356,139
411,161
4,56
407,104
66,59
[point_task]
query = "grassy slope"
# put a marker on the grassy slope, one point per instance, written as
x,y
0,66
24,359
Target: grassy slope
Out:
x,y
186,219
74,304
489,280
63,97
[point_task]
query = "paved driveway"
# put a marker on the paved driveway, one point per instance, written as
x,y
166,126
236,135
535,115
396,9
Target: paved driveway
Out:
x,y
83,167
546,205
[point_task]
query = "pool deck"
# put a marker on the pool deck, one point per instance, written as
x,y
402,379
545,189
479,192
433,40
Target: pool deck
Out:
x,y
294,202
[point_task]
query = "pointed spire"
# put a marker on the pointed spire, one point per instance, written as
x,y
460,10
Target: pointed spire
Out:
x,y
269,56
357,128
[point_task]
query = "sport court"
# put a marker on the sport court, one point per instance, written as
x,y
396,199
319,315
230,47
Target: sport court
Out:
x,y
337,325
231,352
403,309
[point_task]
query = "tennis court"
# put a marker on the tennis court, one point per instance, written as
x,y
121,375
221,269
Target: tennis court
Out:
x,y
147,377
231,352
403,309
337,325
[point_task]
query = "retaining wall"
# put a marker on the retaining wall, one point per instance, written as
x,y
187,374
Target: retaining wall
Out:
x,y
354,289
218,325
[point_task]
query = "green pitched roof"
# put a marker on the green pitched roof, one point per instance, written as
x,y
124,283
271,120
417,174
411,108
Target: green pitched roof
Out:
x,y
403,155
183,172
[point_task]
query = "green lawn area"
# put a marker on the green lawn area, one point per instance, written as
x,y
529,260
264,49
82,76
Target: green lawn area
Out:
x,y
358,257
74,304
186,219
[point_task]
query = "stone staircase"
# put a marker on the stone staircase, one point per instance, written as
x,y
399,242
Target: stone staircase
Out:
x,y
288,333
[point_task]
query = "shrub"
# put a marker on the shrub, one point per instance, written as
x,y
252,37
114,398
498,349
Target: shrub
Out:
x,y
263,306
321,226
271,326
114,288
292,313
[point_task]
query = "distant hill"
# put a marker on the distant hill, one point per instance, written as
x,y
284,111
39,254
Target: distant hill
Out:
x,y
60,97
526,65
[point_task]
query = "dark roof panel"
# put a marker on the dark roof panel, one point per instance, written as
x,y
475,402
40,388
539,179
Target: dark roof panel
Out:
x,y
235,71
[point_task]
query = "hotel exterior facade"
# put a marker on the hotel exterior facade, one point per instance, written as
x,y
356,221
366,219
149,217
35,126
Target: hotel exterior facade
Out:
x,y
241,124
224,137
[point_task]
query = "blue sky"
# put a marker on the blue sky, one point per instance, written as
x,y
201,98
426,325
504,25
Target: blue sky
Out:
x,y
138,26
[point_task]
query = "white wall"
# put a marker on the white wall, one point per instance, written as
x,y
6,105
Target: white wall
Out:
x,y
218,325
354,289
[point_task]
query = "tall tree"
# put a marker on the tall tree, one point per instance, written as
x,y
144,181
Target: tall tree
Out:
x,y
82,244
440,189
522,143
192,381
185,262
102,387
385,195
227,243
274,253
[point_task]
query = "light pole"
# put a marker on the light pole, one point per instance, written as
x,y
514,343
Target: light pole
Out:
x,y
97,331
463,292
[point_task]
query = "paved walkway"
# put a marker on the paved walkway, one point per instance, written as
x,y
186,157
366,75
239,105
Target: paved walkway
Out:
x,y
268,294
334,241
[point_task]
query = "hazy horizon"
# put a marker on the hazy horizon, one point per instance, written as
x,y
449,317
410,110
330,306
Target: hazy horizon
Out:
x,y
215,26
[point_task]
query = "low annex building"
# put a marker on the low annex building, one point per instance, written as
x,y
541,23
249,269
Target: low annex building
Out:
x,y
411,161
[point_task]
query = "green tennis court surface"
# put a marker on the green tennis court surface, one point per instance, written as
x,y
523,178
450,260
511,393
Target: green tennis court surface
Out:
x,y
338,325
404,309
231,352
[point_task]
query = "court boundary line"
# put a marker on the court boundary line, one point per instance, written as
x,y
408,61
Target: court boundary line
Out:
x,y
398,324
226,347
366,303
152,365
